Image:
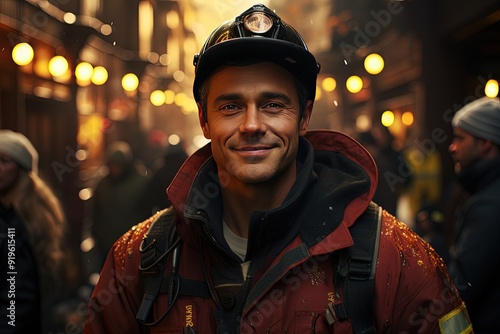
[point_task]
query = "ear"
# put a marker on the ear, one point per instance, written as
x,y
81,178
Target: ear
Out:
x,y
203,122
488,149
306,117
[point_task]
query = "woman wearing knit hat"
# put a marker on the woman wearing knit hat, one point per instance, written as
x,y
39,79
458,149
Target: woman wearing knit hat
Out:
x,y
475,264
31,230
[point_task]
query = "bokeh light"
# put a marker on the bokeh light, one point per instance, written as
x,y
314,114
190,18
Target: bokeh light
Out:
x,y
157,98
387,118
22,54
83,71
329,84
58,66
407,118
354,84
130,82
99,76
374,63
491,88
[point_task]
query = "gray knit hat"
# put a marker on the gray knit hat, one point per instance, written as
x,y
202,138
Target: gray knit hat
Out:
x,y
19,149
480,118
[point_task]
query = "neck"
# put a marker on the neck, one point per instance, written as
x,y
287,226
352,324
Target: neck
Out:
x,y
241,200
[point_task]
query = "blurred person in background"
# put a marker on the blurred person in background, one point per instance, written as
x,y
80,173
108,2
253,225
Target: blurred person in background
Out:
x,y
154,197
115,200
429,225
32,226
389,164
424,183
474,254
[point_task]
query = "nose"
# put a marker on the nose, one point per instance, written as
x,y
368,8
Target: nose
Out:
x,y
252,121
452,148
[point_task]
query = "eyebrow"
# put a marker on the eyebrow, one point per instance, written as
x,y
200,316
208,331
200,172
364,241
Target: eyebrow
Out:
x,y
227,97
265,96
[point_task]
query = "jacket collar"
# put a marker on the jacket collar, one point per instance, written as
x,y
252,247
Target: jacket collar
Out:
x,y
335,183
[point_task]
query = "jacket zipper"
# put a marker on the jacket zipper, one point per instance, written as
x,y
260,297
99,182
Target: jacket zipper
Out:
x,y
207,229
243,297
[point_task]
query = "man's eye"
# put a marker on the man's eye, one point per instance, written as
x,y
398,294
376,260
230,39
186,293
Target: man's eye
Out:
x,y
273,106
229,107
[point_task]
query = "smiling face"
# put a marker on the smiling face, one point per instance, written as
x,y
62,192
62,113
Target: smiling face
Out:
x,y
253,121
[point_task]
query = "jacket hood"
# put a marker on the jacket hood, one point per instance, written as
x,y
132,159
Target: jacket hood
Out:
x,y
336,182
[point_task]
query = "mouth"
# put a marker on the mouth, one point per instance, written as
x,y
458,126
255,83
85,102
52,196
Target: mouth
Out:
x,y
254,151
253,148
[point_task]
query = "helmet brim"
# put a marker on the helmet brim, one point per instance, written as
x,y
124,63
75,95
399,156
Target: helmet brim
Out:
x,y
297,60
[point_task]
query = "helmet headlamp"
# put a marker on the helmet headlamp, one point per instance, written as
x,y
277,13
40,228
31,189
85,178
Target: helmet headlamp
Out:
x,y
261,34
258,23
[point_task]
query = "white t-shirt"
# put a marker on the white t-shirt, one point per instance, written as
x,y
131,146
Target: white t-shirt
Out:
x,y
237,244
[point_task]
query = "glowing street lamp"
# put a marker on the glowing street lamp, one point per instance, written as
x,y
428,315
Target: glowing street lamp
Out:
x,y
374,63
84,71
130,82
99,76
157,98
329,84
22,54
58,66
407,118
354,84
387,118
491,88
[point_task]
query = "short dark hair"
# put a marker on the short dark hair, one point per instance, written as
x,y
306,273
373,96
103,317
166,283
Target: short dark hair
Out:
x,y
302,91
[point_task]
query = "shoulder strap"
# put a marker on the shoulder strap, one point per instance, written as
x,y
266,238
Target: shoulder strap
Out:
x,y
356,273
161,240
158,242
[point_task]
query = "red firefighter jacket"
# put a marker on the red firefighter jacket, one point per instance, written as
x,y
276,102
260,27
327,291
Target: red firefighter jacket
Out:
x,y
288,278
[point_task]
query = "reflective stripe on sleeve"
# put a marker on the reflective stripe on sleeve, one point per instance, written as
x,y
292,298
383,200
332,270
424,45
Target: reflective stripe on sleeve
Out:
x,y
457,321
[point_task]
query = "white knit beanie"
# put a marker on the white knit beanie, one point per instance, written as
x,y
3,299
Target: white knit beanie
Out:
x,y
480,118
19,148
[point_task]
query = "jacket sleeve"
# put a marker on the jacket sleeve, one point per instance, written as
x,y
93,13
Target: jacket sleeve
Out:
x,y
116,297
414,292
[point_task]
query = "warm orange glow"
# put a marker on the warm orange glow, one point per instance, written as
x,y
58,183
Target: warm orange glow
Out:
x,y
22,54
157,98
83,71
100,75
407,118
387,118
491,88
329,84
169,96
130,82
58,66
354,84
374,63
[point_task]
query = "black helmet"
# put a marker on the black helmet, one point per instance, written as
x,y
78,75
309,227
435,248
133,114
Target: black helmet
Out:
x,y
257,33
